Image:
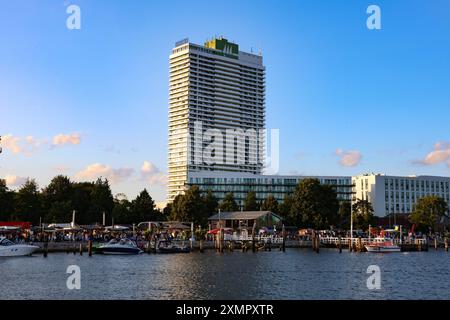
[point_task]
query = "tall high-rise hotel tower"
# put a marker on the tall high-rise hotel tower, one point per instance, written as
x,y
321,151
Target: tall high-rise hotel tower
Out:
x,y
214,89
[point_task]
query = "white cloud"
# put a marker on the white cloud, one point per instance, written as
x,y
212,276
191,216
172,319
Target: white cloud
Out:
x,y
14,181
24,145
349,158
63,139
440,154
152,174
97,170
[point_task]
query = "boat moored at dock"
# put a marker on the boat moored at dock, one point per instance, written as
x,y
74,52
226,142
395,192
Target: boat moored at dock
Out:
x,y
165,246
382,245
122,246
11,249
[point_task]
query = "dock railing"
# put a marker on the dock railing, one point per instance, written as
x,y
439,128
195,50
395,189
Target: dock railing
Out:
x,y
265,239
364,241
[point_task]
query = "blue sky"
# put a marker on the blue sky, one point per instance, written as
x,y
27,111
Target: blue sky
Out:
x,y
347,100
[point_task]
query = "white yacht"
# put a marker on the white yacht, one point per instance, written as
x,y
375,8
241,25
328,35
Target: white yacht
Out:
x,y
10,249
381,245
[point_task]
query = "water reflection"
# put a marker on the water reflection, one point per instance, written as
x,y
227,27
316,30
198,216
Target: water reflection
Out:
x,y
295,274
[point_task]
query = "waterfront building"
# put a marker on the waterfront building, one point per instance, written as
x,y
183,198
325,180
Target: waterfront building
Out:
x,y
214,86
245,220
220,183
391,195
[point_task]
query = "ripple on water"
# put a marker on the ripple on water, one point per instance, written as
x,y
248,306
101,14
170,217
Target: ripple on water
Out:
x,y
295,274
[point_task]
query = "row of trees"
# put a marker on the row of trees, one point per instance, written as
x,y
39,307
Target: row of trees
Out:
x,y
56,202
311,205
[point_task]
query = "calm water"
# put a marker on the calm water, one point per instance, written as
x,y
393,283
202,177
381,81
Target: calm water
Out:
x,y
295,274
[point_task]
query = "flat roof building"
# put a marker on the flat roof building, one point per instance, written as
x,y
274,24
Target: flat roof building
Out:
x,y
245,220
398,194
221,183
214,89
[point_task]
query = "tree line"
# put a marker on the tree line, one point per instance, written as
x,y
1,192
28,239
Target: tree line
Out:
x,y
311,205
56,202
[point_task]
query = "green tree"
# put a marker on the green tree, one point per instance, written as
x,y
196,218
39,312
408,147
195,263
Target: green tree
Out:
x,y
190,207
58,200
362,214
314,205
143,207
176,208
270,204
6,201
81,201
428,211
228,203
167,211
210,202
250,203
121,212
285,208
101,200
28,202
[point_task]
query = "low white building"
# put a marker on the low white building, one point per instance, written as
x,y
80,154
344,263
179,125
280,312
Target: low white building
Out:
x,y
397,195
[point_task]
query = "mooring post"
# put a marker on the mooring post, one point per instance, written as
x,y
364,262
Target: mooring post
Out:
x,y
340,244
90,248
283,245
45,246
253,240
446,243
192,236
81,249
317,243
435,243
359,244
313,240
220,241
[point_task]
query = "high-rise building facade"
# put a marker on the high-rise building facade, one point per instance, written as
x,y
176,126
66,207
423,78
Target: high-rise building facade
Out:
x,y
216,111
221,183
391,195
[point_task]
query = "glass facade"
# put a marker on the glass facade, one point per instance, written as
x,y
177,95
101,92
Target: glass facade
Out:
x,y
264,186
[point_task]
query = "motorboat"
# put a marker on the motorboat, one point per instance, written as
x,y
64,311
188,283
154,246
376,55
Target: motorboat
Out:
x,y
122,246
165,246
381,245
11,249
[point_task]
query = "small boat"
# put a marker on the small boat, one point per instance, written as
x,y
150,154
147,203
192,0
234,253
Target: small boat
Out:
x,y
165,246
10,249
122,246
382,245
